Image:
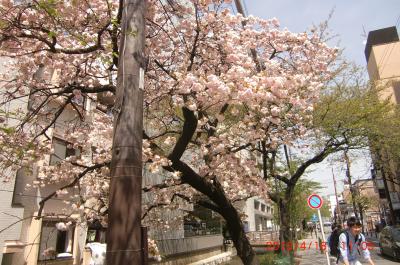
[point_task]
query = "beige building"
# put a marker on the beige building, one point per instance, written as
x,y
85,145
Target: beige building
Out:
x,y
28,237
383,62
370,200
367,197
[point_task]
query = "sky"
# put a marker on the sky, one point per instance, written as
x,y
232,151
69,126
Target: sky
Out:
x,y
351,21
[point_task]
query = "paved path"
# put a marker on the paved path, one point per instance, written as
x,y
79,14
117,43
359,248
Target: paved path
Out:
x,y
308,254
314,257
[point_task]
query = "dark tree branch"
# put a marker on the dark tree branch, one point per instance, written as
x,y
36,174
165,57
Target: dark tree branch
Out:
x,y
162,67
287,157
189,128
70,185
56,115
283,179
328,149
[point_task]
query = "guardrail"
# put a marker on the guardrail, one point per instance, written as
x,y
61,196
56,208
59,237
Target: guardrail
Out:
x,y
262,236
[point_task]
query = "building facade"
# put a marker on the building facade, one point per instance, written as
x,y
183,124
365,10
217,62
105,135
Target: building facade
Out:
x,y
368,206
259,215
382,53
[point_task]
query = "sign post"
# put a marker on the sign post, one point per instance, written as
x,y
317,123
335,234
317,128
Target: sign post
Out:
x,y
315,202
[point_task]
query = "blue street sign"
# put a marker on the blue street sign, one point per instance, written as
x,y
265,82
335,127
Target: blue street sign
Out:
x,y
314,218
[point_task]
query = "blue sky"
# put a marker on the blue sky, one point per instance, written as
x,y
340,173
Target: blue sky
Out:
x,y
351,21
350,18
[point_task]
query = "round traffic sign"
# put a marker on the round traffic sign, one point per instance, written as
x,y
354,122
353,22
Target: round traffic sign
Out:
x,y
314,201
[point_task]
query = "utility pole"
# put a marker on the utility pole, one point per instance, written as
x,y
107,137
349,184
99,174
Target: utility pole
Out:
x,y
353,194
337,200
239,7
381,163
124,239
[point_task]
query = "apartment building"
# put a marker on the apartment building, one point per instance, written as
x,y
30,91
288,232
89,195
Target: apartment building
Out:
x,y
26,236
11,210
382,53
259,215
367,198
371,214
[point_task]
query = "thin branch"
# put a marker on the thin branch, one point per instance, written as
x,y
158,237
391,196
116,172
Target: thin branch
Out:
x,y
70,185
56,115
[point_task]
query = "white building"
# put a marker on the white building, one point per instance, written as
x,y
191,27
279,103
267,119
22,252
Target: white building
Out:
x,y
259,215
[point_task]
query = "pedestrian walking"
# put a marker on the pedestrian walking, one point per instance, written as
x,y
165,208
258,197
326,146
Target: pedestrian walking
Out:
x,y
311,230
352,243
333,240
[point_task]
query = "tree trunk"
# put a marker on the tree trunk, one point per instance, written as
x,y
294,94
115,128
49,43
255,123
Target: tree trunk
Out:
x,y
382,163
240,241
352,191
285,222
287,242
361,217
222,205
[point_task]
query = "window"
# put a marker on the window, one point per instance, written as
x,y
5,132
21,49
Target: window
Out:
x,y
201,221
62,150
19,187
382,194
263,207
256,205
396,233
55,242
96,233
268,209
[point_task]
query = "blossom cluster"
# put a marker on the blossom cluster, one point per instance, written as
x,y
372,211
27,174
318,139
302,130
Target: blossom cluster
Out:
x,y
200,58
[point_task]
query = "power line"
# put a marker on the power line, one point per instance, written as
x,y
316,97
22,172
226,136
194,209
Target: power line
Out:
x,y
385,53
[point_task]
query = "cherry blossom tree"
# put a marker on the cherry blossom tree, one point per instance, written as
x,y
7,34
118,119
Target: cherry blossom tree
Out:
x,y
208,100
345,118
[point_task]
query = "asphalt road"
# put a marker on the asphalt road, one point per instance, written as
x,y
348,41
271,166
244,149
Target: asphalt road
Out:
x,y
378,258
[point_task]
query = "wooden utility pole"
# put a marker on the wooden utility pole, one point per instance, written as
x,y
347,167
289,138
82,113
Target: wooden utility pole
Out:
x,y
239,7
348,175
337,200
124,243
381,164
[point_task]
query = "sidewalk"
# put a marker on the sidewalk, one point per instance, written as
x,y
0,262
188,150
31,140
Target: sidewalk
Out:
x,y
372,238
309,253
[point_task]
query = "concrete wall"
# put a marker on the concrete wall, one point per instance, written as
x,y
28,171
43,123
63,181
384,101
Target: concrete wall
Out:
x,y
183,245
187,250
188,258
